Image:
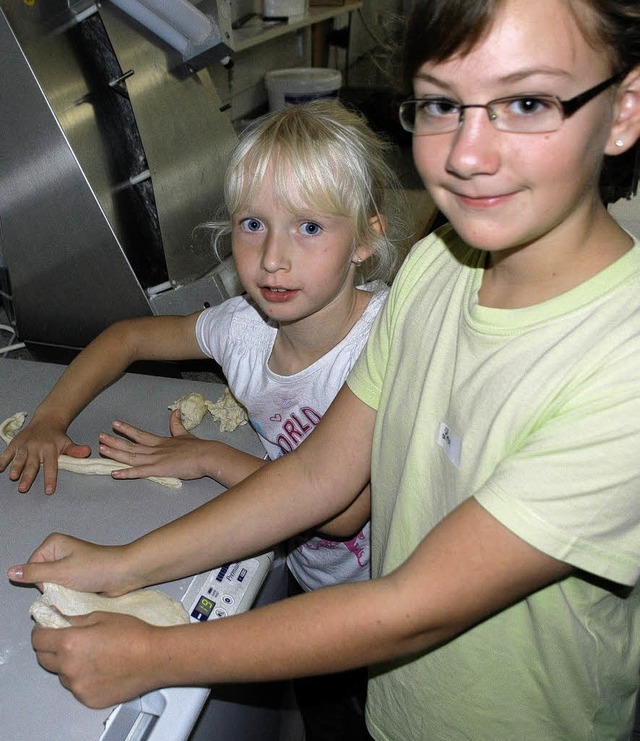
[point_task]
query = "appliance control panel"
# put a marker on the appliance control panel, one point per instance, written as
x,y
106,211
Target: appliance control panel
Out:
x,y
226,590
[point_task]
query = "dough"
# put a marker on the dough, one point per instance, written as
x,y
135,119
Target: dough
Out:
x,y
192,408
150,605
11,425
226,410
95,466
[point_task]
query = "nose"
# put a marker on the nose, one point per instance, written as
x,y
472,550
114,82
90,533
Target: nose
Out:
x,y
475,145
275,254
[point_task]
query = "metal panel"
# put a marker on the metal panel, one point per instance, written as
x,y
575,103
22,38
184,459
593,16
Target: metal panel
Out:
x,y
68,274
109,158
187,140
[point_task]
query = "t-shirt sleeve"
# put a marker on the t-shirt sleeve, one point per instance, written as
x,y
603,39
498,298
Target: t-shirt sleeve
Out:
x,y
368,374
212,329
572,487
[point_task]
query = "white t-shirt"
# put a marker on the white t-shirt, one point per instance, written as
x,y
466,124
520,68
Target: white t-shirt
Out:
x,y
285,409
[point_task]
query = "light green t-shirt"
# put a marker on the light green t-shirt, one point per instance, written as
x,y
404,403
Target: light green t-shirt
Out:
x,y
536,413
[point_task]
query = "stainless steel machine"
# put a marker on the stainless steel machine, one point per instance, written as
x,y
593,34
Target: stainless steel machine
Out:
x,y
113,146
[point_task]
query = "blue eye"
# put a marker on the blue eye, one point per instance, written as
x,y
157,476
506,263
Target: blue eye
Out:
x,y
437,107
527,105
251,225
310,228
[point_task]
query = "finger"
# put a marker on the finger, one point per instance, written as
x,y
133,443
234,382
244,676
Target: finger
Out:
x,y
130,454
37,573
45,642
25,469
6,458
77,451
122,450
135,472
176,427
110,442
17,574
135,433
50,474
18,459
82,621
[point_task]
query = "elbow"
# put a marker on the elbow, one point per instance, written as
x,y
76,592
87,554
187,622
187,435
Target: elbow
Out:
x,y
122,339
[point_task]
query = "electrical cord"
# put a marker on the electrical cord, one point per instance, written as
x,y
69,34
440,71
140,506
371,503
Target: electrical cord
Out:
x,y
11,348
12,345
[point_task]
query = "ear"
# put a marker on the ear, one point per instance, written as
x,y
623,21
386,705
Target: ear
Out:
x,y
364,251
625,129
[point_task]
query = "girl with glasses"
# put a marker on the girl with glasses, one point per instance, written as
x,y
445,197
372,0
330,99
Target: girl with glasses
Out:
x,y
496,410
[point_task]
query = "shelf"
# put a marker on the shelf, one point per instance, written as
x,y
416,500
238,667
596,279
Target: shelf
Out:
x,y
258,31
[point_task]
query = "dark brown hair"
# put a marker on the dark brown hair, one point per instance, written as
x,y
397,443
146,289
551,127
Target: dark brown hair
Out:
x,y
440,29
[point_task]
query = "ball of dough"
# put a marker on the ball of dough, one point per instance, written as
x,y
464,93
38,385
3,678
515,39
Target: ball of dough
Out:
x,y
192,408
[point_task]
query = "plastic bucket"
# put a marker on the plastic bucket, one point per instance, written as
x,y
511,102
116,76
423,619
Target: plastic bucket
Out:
x,y
301,84
285,8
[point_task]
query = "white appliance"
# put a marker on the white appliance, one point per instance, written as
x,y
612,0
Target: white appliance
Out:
x,y
168,714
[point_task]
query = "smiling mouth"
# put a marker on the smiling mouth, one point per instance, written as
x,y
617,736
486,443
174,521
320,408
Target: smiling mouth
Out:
x,y
484,201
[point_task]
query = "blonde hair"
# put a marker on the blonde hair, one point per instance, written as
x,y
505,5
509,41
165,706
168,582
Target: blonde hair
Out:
x,y
326,157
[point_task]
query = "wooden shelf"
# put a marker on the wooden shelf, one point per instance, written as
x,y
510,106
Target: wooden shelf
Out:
x,y
258,31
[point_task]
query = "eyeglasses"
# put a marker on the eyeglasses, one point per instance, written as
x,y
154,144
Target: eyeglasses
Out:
x,y
519,114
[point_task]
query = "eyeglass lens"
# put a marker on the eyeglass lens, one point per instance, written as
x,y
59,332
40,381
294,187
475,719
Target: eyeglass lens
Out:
x,y
518,114
526,115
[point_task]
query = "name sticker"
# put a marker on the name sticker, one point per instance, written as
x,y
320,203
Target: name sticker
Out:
x,y
450,443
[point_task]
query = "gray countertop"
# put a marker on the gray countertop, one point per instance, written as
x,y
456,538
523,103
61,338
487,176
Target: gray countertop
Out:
x,y
33,704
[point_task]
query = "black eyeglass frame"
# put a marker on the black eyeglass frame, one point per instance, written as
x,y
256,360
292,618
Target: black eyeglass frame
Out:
x,y
568,107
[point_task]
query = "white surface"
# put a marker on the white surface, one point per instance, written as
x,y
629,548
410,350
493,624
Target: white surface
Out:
x,y
34,706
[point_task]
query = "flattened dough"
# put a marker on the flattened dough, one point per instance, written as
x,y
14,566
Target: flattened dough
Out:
x,y
150,605
95,466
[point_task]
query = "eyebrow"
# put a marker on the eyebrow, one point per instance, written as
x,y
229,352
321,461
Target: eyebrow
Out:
x,y
517,76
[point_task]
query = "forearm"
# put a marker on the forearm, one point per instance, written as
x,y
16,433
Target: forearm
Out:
x,y
302,636
106,659
466,569
352,520
228,465
110,354
261,511
98,365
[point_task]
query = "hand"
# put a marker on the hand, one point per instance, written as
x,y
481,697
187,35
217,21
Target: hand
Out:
x,y
182,455
76,564
103,658
39,443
